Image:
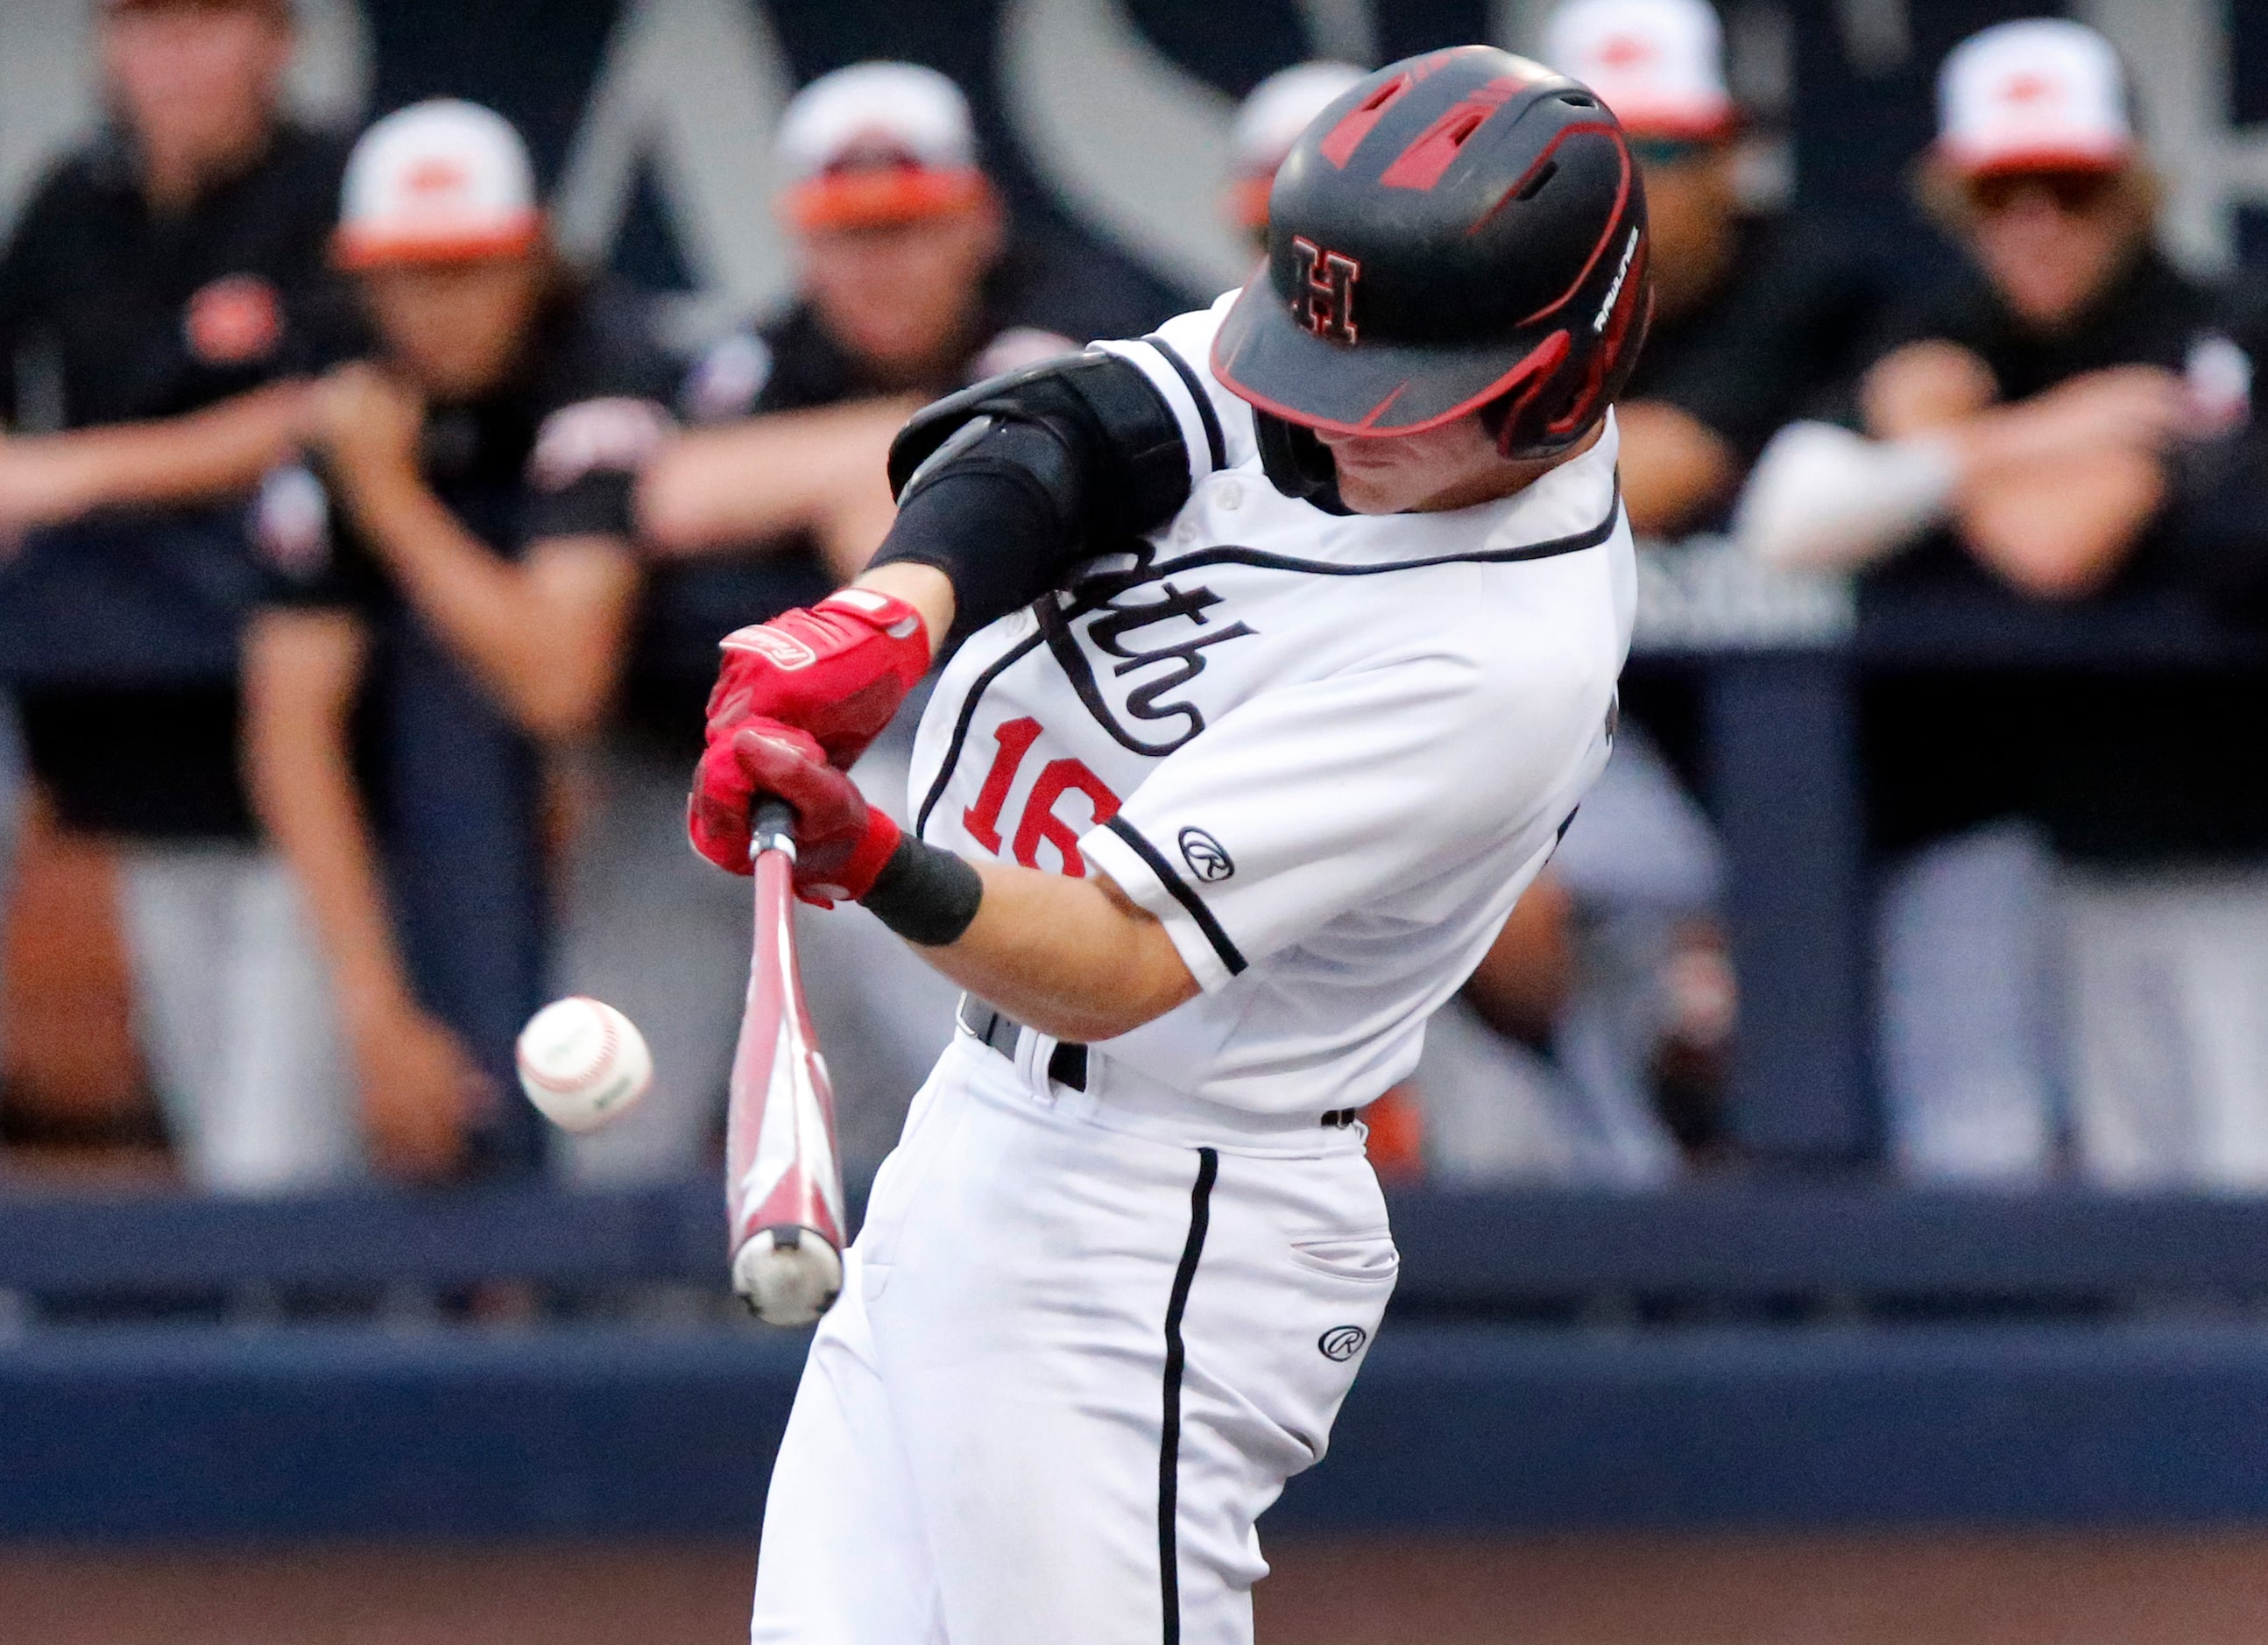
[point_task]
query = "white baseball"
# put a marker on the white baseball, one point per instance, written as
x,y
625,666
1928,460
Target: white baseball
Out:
x,y
583,1063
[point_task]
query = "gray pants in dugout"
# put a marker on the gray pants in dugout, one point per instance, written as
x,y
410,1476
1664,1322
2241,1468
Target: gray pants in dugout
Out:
x,y
234,1014
654,930
2032,1007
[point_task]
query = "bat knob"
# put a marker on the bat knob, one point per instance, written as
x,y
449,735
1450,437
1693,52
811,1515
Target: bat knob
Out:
x,y
772,828
787,1275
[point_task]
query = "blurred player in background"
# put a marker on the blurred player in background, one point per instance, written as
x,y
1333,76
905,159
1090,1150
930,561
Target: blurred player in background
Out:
x,y
906,291
162,296
2087,881
2074,871
454,579
1760,318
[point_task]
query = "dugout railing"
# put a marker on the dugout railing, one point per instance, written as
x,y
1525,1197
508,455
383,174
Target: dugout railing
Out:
x,y
1802,1343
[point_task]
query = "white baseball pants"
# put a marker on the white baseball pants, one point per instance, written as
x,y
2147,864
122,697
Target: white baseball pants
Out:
x,y
1071,1367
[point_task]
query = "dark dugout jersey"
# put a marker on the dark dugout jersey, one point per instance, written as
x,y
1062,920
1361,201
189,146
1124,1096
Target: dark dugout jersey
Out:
x,y
119,632
790,364
554,453
2126,764
110,313
453,788
1779,338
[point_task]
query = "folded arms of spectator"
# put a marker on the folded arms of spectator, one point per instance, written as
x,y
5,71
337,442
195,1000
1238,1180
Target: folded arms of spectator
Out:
x,y
2051,492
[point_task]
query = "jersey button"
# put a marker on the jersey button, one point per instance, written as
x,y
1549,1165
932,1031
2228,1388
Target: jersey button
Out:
x,y
1232,494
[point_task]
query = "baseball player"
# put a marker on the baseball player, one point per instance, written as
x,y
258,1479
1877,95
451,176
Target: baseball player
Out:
x,y
1287,641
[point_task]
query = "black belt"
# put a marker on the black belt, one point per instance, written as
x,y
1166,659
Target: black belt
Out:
x,y
1067,1062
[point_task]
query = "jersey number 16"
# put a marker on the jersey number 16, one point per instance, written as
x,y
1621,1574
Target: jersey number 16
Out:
x,y
1040,822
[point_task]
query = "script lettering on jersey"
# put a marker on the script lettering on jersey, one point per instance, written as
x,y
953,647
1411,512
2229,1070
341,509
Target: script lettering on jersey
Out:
x,y
1322,291
1157,662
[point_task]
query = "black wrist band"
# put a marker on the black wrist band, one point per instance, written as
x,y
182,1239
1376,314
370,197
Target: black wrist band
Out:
x,y
925,895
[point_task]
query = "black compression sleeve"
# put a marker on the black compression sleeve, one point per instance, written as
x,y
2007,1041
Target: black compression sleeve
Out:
x,y
925,895
994,520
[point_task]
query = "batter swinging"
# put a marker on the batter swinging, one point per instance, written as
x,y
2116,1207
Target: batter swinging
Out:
x,y
1288,645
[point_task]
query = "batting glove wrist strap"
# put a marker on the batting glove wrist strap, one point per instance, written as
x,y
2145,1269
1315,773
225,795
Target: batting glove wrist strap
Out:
x,y
925,895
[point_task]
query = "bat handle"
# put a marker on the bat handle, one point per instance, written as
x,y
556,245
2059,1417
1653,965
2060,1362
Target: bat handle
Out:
x,y
772,830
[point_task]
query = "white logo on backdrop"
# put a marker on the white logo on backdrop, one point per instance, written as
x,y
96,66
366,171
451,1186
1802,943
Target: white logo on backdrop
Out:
x,y
691,91
2178,52
1133,144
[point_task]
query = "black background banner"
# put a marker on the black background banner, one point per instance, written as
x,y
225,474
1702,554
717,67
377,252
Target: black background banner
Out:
x,y
1105,119
1853,96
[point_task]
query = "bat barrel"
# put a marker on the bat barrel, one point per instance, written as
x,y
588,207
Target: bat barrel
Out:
x,y
788,1275
784,1188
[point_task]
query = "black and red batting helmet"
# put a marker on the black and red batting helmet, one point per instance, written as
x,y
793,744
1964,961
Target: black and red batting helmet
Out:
x,y
1461,231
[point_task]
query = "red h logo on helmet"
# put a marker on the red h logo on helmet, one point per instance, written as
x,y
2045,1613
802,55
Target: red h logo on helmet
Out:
x,y
1323,296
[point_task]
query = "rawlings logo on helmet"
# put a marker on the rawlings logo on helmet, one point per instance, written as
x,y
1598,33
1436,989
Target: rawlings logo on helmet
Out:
x,y
1621,273
1322,295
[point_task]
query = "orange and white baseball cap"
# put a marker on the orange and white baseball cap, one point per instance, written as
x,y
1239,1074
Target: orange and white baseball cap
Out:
x,y
877,143
1270,122
441,182
2038,95
1657,65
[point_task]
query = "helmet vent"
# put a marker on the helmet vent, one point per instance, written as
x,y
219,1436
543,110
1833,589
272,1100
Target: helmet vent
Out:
x,y
1533,185
1376,102
1339,148
1578,99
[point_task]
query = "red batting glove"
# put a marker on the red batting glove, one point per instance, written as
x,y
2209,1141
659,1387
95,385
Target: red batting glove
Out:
x,y
838,670
841,842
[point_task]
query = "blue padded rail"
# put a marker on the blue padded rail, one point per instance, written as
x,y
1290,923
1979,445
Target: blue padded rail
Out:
x,y
1464,1248
204,1435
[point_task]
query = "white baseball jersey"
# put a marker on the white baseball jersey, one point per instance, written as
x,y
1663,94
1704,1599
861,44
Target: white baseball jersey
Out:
x,y
1328,751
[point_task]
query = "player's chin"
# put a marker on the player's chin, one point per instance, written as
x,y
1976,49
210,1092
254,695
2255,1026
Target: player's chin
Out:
x,y
1384,489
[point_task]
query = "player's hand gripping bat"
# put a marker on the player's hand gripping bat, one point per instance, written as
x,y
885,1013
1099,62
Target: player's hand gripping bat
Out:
x,y
783,1185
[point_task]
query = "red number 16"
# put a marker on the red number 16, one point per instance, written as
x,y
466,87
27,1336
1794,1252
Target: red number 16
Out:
x,y
1056,778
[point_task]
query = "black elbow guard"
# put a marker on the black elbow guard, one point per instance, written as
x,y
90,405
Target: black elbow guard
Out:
x,y
1112,454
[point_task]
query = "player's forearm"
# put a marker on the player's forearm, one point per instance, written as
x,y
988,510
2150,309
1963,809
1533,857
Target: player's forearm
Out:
x,y
308,805
1673,467
819,471
925,588
299,775
547,674
204,457
1074,958
2061,530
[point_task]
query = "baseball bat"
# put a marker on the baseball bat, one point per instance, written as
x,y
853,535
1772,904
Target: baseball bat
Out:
x,y
783,1182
